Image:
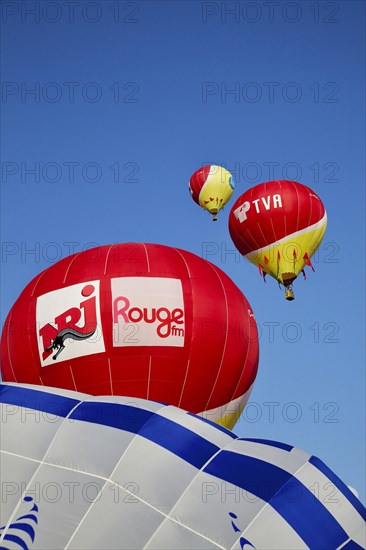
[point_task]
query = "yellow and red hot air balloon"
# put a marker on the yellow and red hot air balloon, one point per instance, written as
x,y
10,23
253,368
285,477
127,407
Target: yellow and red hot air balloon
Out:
x,y
211,187
277,226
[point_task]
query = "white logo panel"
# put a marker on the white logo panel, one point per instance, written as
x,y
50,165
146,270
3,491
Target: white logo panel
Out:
x,y
69,323
147,311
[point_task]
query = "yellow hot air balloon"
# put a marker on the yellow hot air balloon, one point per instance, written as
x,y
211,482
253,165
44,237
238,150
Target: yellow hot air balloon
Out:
x,y
211,187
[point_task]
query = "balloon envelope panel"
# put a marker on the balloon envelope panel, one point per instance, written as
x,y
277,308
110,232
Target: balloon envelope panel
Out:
x,y
115,472
136,319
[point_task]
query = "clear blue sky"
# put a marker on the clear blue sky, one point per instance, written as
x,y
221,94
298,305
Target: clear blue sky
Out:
x,y
127,105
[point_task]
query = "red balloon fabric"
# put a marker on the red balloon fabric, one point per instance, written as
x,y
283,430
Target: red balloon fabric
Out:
x,y
135,319
197,181
271,211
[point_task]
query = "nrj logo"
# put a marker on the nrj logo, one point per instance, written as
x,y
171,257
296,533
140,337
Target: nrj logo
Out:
x,y
147,311
69,321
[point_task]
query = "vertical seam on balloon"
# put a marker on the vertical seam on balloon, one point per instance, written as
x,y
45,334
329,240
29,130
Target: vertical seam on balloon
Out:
x,y
243,371
68,267
110,375
298,206
184,260
274,232
106,259
190,343
184,381
248,230
260,229
38,279
72,376
104,273
226,333
35,358
8,345
273,227
253,238
16,508
148,378
284,215
147,257
311,210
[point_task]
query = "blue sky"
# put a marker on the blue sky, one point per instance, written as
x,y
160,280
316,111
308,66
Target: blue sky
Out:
x,y
129,99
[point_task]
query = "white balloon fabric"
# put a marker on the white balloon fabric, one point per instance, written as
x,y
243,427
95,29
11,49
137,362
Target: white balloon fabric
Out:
x,y
85,472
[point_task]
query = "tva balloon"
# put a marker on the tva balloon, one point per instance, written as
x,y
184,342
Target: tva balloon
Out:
x,y
143,320
81,472
211,187
278,225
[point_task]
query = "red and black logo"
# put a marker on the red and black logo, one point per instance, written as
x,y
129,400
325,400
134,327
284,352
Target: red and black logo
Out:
x,y
66,325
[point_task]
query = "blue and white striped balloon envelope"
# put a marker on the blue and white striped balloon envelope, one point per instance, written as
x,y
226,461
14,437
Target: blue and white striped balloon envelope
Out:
x,y
86,472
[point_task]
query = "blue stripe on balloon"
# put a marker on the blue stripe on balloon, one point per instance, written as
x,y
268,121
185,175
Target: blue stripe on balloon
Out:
x,y
215,425
50,403
269,442
164,432
342,487
29,516
179,440
256,476
16,540
311,520
122,417
24,527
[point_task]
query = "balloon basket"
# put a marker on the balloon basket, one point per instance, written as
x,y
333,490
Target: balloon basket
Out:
x,y
289,295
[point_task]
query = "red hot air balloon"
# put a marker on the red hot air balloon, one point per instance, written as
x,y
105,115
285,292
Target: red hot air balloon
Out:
x,y
143,320
211,187
278,225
